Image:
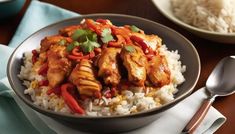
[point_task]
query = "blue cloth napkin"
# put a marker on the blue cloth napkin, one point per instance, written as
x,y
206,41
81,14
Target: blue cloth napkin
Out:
x,y
37,16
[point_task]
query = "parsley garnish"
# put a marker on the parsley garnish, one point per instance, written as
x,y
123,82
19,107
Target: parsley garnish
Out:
x,y
62,42
86,39
71,46
106,35
81,35
89,46
135,29
129,48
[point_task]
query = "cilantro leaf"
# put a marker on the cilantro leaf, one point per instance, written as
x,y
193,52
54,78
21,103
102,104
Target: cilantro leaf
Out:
x,y
62,42
134,29
89,46
81,35
78,33
71,46
129,48
106,35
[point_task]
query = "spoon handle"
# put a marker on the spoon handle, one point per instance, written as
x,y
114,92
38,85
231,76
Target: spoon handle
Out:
x,y
198,116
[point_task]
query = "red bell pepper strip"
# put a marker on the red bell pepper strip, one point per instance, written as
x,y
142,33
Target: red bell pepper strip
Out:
x,y
43,83
97,50
119,43
141,42
113,91
55,90
92,26
77,52
79,56
43,70
102,21
35,56
122,31
97,94
70,100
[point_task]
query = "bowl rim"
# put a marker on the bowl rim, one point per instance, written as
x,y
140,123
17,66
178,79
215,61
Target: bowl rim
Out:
x,y
174,19
138,114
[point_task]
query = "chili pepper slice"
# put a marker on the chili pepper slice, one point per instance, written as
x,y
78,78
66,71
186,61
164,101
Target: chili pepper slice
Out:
x,y
92,26
141,42
43,69
35,56
77,52
70,100
102,21
55,90
43,83
97,94
120,41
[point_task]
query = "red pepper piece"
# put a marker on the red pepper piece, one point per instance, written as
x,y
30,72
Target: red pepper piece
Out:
x,y
97,50
50,91
70,100
141,42
119,43
149,56
55,90
35,56
76,52
91,54
43,69
102,21
122,31
107,93
43,83
92,26
113,91
97,94
83,97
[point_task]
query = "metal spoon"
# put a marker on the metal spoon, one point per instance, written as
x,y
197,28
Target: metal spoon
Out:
x,y
221,82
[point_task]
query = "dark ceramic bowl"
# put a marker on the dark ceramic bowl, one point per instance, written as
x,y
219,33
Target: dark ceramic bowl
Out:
x,y
174,41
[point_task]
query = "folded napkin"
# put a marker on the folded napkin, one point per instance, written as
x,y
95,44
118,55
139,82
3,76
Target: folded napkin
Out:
x,y
16,117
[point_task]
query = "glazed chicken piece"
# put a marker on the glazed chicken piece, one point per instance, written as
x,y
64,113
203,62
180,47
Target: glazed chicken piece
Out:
x,y
135,62
158,71
49,41
153,41
68,31
83,77
108,66
58,65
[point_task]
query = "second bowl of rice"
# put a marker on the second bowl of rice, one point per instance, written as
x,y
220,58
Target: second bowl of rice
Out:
x,y
209,19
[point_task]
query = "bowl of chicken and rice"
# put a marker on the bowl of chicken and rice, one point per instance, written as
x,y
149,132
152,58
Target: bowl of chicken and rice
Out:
x,y
104,73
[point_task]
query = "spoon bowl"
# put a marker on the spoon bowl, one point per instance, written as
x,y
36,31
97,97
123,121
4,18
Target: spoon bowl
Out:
x,y
221,82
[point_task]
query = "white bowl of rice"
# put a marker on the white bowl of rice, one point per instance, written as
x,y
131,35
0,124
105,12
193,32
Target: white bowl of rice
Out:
x,y
210,19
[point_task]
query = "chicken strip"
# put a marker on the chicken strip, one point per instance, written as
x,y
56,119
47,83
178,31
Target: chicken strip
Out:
x,y
108,66
83,77
135,62
58,65
48,41
158,71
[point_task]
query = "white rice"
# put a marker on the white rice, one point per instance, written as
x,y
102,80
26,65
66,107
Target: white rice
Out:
x,y
212,15
130,101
